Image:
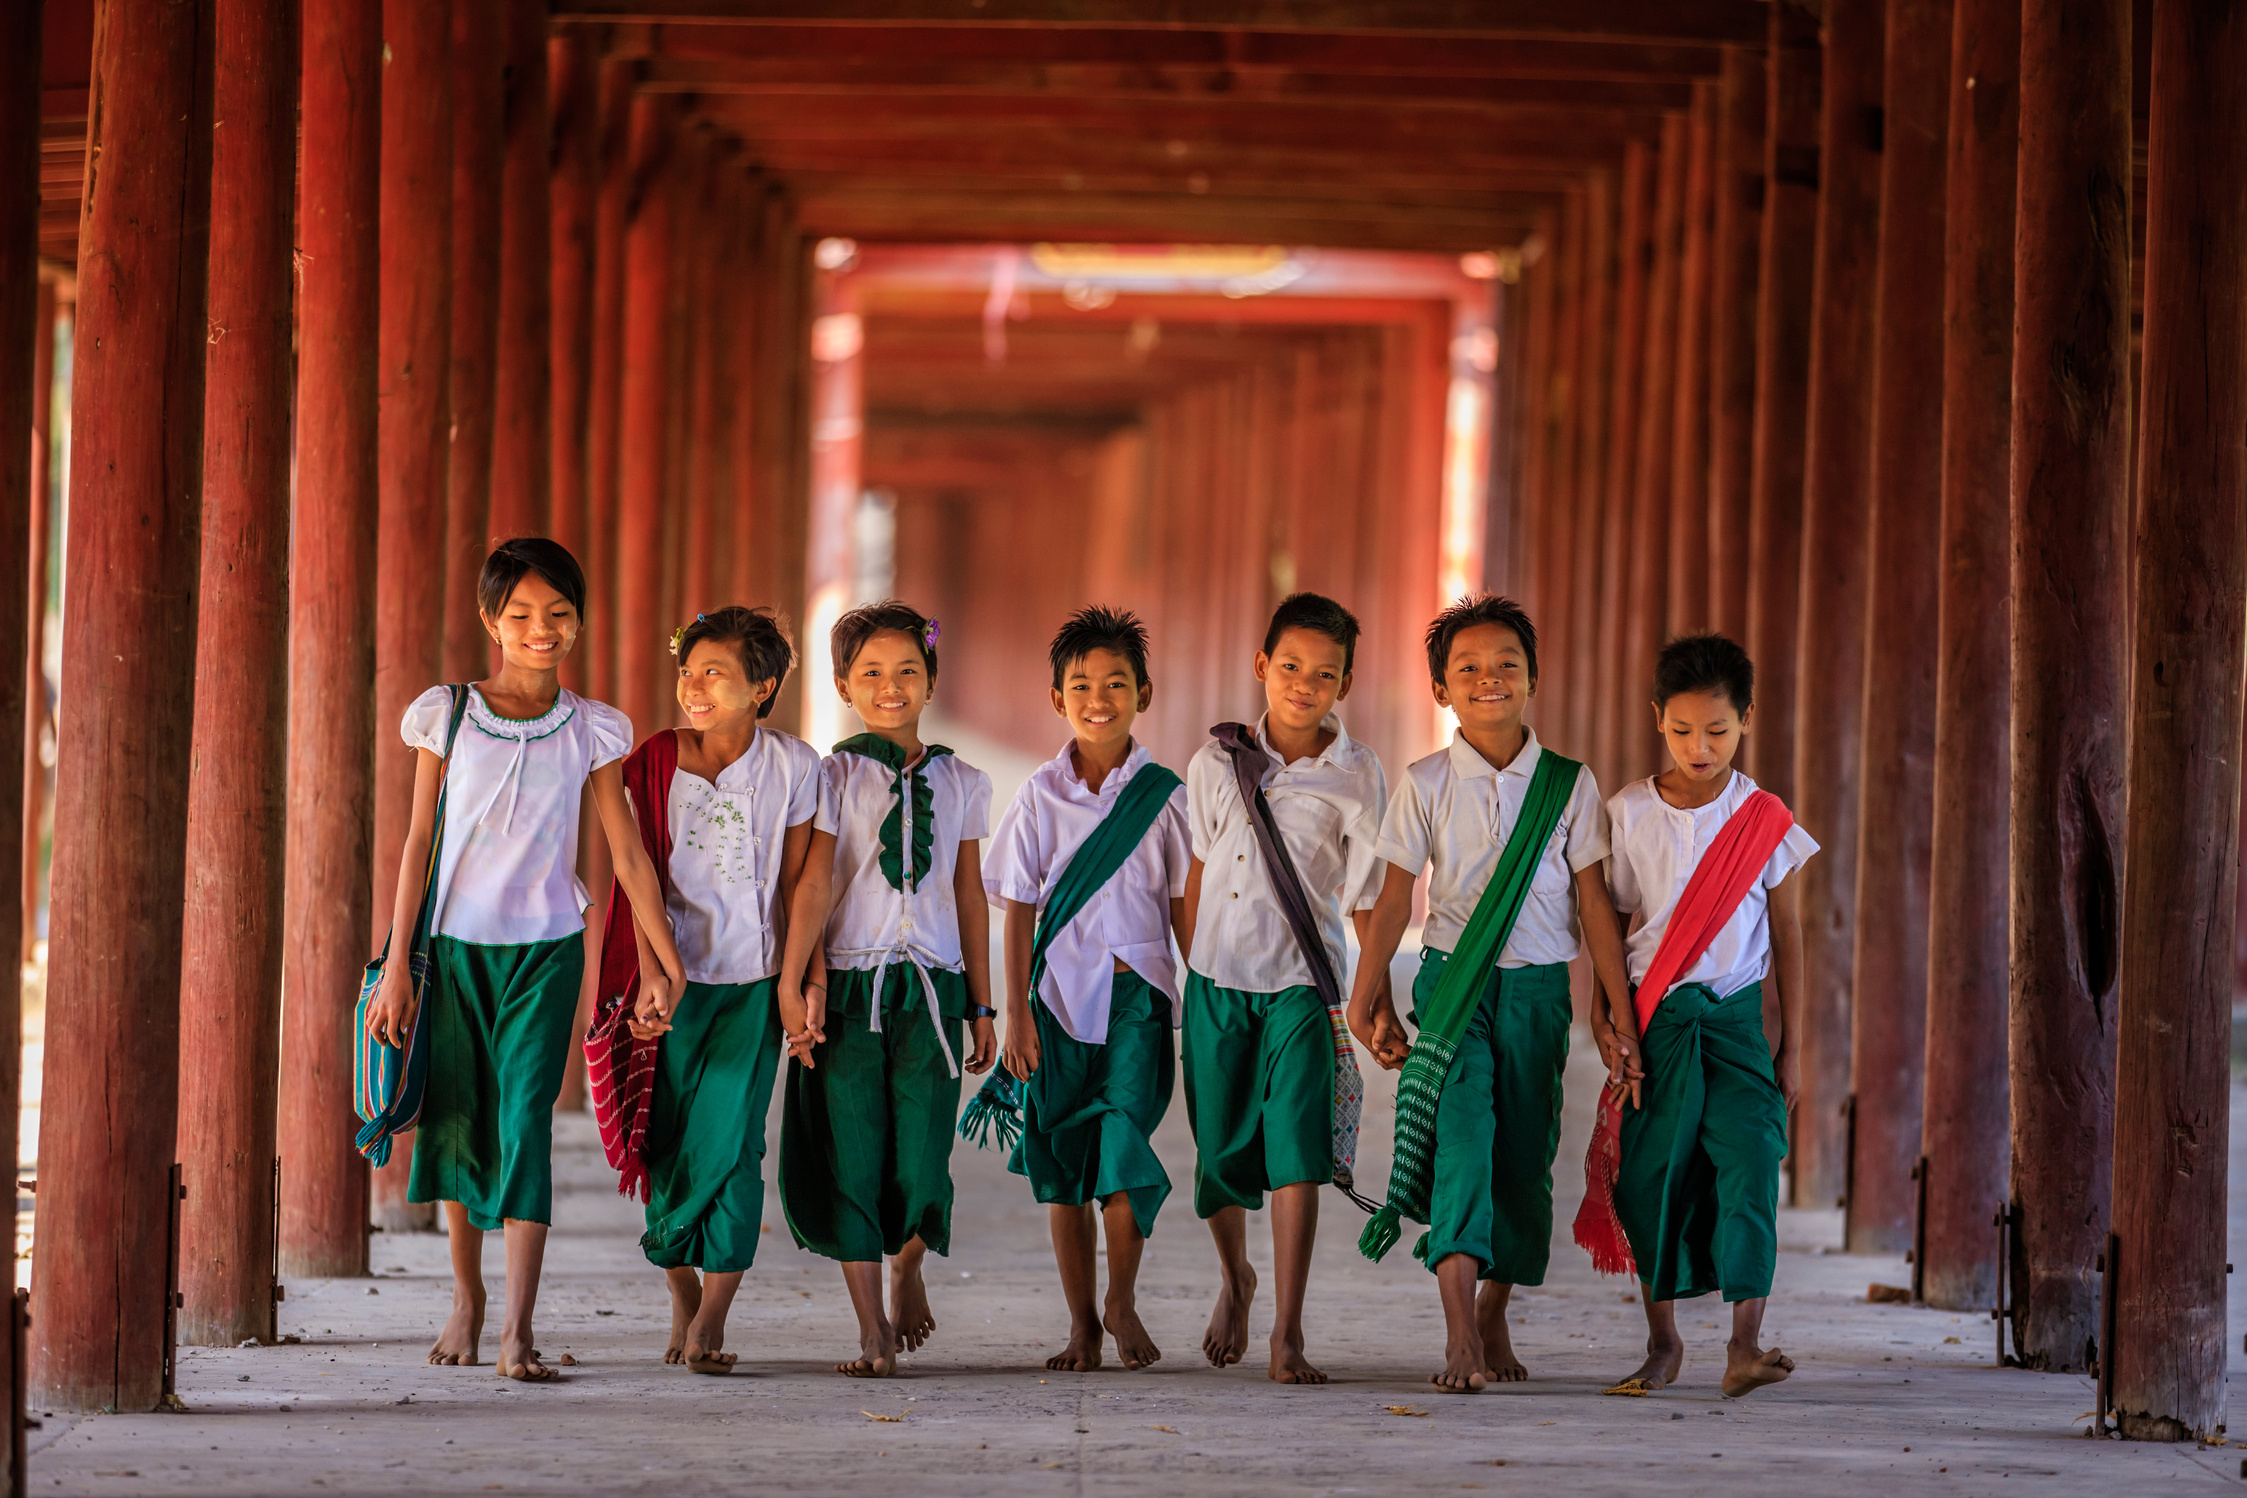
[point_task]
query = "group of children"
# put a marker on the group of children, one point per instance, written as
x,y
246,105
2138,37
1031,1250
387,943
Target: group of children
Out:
x,y
770,902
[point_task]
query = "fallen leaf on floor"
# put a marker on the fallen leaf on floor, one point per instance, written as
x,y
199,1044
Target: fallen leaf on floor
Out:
x,y
568,1361
1173,1430
1888,1295
885,1419
1950,1339
1404,1409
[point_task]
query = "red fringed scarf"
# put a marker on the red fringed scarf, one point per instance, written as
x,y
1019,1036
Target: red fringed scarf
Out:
x,y
1735,860
619,1070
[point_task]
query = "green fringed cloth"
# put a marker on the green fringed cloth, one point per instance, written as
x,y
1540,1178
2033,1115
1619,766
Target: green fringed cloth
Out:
x,y
996,1107
1412,1171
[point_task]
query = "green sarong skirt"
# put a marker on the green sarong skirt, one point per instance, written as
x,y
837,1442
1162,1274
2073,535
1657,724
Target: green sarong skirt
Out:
x,y
1089,1110
866,1130
1498,1123
1259,1092
706,1127
1698,1191
501,1020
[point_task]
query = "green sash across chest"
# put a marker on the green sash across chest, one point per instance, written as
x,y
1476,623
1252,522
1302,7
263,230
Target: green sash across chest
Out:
x,y
997,1104
1444,1020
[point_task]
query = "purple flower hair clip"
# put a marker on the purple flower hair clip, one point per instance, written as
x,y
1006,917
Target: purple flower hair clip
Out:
x,y
930,635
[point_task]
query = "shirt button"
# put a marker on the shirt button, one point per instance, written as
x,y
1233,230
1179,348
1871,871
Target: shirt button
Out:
x,y
1236,894
1240,858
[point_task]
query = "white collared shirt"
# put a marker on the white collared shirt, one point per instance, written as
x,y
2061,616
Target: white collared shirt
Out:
x,y
873,922
507,868
1456,810
1128,920
1328,807
726,844
1657,848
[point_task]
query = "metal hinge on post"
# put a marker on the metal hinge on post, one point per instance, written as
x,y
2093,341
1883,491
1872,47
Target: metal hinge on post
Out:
x,y
273,1310
2109,1267
173,1300
1917,1258
2008,1215
19,1343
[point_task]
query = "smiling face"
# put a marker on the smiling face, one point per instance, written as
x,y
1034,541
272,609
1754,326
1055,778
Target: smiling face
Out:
x,y
1100,695
1486,681
715,690
538,626
887,684
1702,731
1303,678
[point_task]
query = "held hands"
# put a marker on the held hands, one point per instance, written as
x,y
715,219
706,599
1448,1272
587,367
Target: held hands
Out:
x,y
1619,1052
1022,1054
390,1018
986,1047
651,1016
803,1020
1376,1026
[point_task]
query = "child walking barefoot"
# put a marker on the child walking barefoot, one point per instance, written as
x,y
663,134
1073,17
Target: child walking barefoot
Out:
x,y
725,808
1517,838
1703,859
1259,1048
892,884
1089,864
508,946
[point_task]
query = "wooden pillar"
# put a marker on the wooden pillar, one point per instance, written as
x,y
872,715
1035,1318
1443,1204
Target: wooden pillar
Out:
x,y
1830,656
747,538
230,991
1644,603
645,402
1793,86
1589,586
1687,608
39,539
1564,511
1528,522
1964,1136
1635,249
99,1275
2071,449
573,192
334,729
702,242
479,146
2172,1109
837,425
1734,263
415,416
521,503
605,380
1887,1034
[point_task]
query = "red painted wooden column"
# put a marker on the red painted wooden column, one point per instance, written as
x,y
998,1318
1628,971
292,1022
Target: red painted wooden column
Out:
x,y
1734,265
1589,586
644,407
1686,608
1964,1135
106,1148
415,417
39,537
521,502
1645,605
1525,526
230,989
2172,1110
575,187
605,381
1564,511
837,427
335,735
479,149
2071,453
1634,249
703,239
1830,656
1887,1035
1792,88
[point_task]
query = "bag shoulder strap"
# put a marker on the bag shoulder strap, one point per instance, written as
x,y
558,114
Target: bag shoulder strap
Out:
x,y
1100,855
1249,760
1722,879
426,916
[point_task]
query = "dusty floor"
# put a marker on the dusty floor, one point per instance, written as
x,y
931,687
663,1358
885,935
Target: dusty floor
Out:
x,y
1888,1400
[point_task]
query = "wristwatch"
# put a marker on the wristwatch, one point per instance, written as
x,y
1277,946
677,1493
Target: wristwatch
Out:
x,y
981,1011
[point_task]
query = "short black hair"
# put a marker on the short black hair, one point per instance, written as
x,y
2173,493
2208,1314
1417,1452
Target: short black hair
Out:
x,y
861,624
758,636
511,561
1099,628
1319,614
1704,663
1478,608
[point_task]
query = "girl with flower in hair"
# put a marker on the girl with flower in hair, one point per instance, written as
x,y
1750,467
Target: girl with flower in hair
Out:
x,y
892,886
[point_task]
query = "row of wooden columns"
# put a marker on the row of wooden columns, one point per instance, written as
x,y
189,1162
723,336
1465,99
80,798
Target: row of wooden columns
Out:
x,y
1947,682
521,299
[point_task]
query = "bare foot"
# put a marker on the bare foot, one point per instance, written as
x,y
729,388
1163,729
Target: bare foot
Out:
x,y
1081,1353
519,1360
1747,1369
686,1300
455,1346
1499,1364
702,1359
877,1357
1289,1366
1463,1365
1663,1362
1226,1341
908,1299
1133,1345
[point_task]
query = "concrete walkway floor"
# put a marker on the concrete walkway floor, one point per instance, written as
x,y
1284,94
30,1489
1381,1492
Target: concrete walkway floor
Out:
x,y
1888,1399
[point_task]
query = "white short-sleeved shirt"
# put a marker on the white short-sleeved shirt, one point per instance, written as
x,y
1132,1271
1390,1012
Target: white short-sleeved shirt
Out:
x,y
1128,920
507,871
1657,848
726,842
875,921
1457,810
1328,807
